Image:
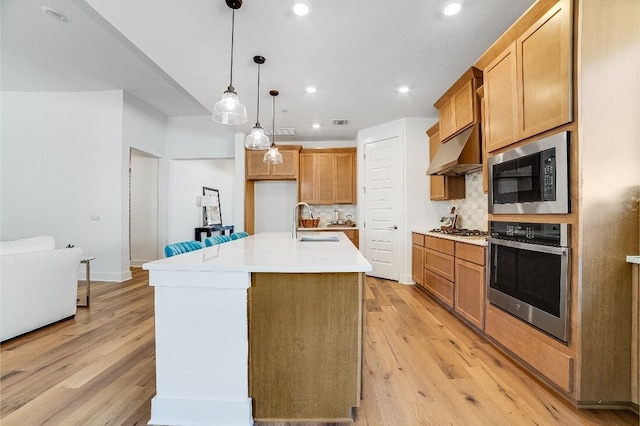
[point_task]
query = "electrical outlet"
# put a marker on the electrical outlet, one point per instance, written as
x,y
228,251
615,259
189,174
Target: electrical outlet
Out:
x,y
95,217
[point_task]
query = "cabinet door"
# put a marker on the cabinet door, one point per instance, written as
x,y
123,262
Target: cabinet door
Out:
x,y
463,107
289,166
345,185
545,56
436,183
446,119
325,178
501,101
469,292
417,263
307,182
256,168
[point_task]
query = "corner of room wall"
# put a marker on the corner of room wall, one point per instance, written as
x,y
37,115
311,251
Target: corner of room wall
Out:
x,y
72,144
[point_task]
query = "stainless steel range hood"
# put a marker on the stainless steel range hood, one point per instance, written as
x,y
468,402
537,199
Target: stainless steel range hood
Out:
x,y
459,155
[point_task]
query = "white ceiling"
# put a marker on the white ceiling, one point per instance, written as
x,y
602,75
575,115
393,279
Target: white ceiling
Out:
x,y
175,55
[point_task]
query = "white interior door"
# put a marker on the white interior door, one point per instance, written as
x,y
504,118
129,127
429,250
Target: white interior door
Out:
x,y
382,192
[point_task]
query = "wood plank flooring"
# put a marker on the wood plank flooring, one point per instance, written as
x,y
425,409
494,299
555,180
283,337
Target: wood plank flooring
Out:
x,y
422,367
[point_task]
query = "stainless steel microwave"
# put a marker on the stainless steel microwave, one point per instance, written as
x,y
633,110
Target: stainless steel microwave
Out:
x,y
532,179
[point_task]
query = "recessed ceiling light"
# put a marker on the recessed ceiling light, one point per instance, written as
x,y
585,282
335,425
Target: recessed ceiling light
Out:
x,y
452,9
301,7
311,89
315,125
403,89
54,13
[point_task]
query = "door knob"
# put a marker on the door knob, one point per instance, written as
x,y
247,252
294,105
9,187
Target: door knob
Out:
x,y
393,227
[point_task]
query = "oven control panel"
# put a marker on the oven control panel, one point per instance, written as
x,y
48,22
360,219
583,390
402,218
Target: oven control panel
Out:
x,y
553,234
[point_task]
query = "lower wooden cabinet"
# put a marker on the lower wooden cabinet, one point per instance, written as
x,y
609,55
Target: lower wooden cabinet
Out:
x,y
470,292
454,273
417,258
353,235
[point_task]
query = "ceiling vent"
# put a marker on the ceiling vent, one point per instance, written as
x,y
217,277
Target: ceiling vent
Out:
x,y
284,131
340,122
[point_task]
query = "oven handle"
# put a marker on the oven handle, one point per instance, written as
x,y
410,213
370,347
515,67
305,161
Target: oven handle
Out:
x,y
532,247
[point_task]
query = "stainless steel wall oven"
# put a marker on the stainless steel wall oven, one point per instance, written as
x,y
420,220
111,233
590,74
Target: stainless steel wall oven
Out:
x,y
528,273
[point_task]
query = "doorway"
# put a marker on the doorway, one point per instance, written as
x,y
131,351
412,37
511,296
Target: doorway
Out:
x,y
144,232
382,180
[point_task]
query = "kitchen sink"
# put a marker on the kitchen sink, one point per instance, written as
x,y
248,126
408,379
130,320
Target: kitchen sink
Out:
x,y
316,237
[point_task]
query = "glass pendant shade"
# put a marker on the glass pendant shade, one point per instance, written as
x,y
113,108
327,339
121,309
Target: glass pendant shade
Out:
x,y
273,156
257,140
229,110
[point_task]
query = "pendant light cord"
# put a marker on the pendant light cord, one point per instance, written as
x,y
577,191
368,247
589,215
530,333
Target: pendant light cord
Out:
x,y
273,124
258,101
233,27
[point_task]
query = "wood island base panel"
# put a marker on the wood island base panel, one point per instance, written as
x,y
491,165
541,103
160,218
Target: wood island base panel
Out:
x,y
305,346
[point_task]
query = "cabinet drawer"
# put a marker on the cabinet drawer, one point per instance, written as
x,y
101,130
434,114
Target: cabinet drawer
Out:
x,y
440,244
529,345
417,239
439,263
470,253
439,287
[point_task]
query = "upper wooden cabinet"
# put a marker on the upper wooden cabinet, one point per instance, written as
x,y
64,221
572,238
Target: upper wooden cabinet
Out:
x,y
501,101
256,169
459,107
443,187
328,176
528,86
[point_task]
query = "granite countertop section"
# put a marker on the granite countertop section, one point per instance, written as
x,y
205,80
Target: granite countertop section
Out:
x,y
476,240
270,252
633,259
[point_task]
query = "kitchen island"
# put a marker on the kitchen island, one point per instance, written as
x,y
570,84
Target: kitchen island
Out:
x,y
264,327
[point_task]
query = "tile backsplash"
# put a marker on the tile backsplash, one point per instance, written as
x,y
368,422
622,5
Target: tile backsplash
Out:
x,y
325,212
472,210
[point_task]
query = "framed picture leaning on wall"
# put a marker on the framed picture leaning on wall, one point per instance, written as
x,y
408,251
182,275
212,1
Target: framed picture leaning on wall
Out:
x,y
210,202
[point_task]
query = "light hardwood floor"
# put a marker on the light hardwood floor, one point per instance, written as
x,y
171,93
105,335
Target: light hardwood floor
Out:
x,y
422,367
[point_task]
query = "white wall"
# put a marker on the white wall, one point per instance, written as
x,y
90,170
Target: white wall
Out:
x,y
61,161
187,179
274,201
200,138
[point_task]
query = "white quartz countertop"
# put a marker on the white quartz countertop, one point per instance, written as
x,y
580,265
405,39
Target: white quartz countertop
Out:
x,y
633,259
477,240
327,228
270,252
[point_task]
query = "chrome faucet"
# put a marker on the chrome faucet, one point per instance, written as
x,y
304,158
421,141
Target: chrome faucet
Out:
x,y
295,217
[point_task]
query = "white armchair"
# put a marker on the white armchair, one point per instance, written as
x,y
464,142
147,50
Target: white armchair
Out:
x,y
38,284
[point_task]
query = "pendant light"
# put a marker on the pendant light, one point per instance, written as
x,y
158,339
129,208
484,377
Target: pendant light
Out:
x,y
273,156
229,110
257,140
